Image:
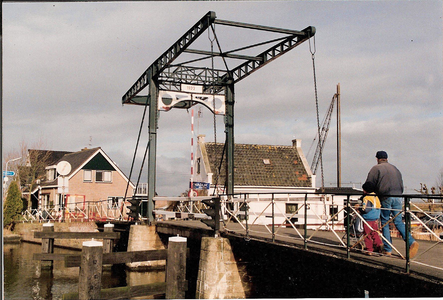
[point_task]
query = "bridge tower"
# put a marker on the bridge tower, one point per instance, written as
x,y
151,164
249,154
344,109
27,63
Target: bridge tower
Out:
x,y
180,67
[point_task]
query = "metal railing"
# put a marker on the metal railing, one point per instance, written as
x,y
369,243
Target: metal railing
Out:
x,y
303,217
311,215
104,210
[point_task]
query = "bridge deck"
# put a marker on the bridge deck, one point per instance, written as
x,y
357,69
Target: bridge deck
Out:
x,y
428,263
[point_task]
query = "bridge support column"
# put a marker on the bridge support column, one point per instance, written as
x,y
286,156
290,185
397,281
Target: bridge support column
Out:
x,y
218,274
144,237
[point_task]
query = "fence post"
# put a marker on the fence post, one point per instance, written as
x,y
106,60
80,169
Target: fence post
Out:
x,y
90,278
47,245
176,283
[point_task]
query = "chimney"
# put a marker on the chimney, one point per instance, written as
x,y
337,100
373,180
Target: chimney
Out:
x,y
296,143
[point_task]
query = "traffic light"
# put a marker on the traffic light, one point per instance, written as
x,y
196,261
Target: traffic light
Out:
x,y
134,208
214,212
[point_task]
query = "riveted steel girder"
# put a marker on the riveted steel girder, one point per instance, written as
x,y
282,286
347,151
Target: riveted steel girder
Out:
x,y
272,53
170,55
170,76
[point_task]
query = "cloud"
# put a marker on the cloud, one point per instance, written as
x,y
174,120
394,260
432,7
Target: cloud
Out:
x,y
67,65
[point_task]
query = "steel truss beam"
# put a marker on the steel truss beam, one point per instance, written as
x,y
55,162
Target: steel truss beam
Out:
x,y
171,76
272,53
170,55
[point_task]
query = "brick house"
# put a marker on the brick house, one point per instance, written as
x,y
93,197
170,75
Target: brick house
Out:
x,y
93,178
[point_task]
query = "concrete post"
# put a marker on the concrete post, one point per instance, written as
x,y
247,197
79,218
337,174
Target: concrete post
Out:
x,y
90,278
144,237
47,246
218,275
176,284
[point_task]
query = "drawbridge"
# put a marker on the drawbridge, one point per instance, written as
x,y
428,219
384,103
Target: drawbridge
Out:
x,y
206,74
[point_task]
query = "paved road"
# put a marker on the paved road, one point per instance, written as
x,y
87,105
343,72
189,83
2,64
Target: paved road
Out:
x,y
428,262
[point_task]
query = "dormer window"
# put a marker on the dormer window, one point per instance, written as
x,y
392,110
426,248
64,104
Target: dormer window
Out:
x,y
51,174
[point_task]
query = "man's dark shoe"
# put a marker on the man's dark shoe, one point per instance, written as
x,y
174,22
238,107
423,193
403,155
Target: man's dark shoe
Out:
x,y
379,249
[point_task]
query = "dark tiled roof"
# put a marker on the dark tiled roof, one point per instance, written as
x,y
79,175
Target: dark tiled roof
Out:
x,y
76,159
261,165
48,156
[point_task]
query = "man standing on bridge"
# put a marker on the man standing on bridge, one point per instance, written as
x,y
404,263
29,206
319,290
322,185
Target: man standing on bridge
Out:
x,y
388,181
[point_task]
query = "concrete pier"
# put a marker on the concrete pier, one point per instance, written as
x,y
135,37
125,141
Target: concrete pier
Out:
x,y
218,275
144,237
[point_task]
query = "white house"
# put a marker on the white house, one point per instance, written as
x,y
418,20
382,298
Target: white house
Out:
x,y
263,173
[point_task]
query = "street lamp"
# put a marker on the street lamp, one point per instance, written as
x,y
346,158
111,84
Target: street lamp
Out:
x,y
5,177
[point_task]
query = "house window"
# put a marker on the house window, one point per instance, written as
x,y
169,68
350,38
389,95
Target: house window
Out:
x,y
45,201
87,175
103,176
291,210
51,174
198,166
333,211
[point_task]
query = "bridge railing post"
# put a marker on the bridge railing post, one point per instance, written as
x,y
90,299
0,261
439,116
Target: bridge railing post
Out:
x,y
348,227
273,218
305,237
407,211
246,216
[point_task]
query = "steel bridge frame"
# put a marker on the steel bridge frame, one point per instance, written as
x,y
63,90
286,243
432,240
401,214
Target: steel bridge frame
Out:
x,y
163,74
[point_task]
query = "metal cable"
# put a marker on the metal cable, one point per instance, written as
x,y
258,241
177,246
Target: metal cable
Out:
x,y
313,50
135,151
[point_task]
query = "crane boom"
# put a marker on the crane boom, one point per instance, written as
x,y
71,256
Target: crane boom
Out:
x,y
323,134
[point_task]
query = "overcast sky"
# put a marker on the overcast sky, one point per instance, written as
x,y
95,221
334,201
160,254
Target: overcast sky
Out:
x,y
66,67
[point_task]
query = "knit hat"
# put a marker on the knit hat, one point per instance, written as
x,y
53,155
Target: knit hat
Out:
x,y
381,155
368,187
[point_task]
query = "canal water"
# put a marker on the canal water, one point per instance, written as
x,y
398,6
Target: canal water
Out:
x,y
24,278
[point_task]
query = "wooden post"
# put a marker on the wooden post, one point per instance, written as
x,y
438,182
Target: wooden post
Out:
x,y
47,246
90,278
108,244
338,137
176,283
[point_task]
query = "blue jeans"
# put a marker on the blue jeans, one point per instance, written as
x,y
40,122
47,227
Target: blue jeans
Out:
x,y
390,207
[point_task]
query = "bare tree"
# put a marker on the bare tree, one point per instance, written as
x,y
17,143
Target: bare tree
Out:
x,y
31,167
